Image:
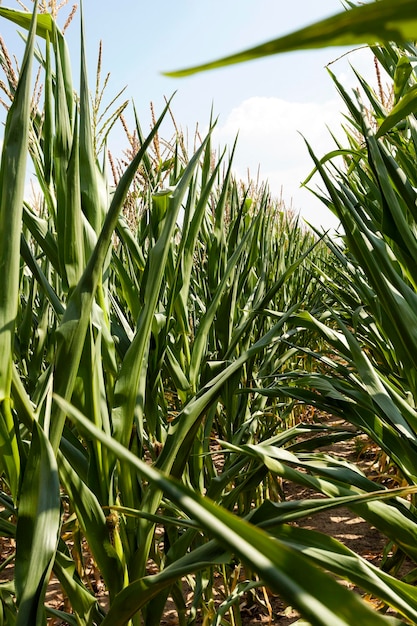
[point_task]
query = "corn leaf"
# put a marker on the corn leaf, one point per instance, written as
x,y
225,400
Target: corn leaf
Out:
x,y
83,603
12,182
44,22
93,522
76,319
406,106
284,570
37,529
381,21
130,387
93,185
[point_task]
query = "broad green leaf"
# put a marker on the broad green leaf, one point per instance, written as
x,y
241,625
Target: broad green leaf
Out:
x,y
404,107
93,186
371,23
44,21
271,514
72,244
402,75
10,461
93,522
12,183
66,173
83,603
64,617
37,529
285,571
330,554
48,126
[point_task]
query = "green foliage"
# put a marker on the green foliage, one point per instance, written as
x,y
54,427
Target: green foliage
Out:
x,y
139,414
369,378
369,23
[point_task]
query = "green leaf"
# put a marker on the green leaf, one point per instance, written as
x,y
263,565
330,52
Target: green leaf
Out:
x,y
12,183
402,74
330,554
93,184
37,529
10,461
93,522
83,602
72,244
73,329
44,21
405,107
338,478
371,23
130,387
283,569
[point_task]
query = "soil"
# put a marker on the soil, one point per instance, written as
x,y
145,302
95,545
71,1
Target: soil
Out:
x,y
265,609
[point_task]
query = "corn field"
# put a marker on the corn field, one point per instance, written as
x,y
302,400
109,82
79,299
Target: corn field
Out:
x,y
163,331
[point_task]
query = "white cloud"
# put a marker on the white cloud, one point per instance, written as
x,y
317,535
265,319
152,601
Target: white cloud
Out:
x,y
270,139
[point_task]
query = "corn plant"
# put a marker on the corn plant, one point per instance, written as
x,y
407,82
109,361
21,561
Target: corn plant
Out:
x,y
126,349
367,373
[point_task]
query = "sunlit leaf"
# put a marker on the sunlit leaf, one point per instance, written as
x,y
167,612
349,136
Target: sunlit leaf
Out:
x,y
376,22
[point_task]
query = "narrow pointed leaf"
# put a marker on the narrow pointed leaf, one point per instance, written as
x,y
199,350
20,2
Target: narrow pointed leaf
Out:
x,y
130,387
285,571
371,23
73,329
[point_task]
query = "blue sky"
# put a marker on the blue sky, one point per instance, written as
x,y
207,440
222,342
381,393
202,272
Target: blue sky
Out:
x,y
268,101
